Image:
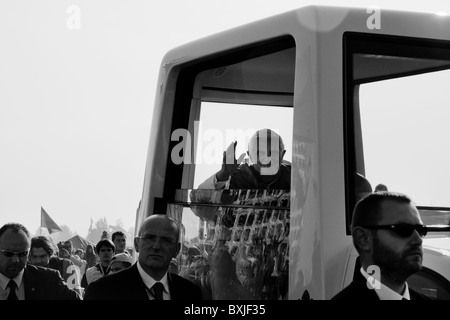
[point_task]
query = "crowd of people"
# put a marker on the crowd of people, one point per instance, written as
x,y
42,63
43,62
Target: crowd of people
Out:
x,y
77,267
386,229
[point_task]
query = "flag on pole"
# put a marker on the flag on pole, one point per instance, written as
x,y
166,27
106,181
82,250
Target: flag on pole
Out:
x,y
47,222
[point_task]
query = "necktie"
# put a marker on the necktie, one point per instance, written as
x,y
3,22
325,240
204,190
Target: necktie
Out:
x,y
12,290
158,289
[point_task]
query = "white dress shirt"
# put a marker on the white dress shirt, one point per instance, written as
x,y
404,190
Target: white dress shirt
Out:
x,y
4,290
384,292
149,282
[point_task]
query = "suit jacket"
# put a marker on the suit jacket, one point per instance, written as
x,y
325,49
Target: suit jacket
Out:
x,y
46,284
128,285
357,290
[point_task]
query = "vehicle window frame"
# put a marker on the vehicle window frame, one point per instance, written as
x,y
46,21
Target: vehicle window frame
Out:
x,y
186,106
381,45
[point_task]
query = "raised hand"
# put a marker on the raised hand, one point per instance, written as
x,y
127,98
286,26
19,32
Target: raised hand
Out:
x,y
229,163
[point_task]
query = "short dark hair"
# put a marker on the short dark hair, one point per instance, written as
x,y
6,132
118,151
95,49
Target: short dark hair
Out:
x,y
104,243
368,210
68,243
45,243
117,233
16,227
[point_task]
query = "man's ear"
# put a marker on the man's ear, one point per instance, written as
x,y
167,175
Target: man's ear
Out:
x,y
136,244
283,153
362,238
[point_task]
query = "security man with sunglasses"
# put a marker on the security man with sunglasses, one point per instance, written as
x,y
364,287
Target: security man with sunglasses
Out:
x,y
22,281
387,232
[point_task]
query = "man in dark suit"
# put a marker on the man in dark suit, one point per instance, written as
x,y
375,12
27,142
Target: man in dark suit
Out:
x,y
387,232
19,281
157,243
43,254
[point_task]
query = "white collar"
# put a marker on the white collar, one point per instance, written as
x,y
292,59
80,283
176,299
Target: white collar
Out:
x,y
149,281
383,291
4,280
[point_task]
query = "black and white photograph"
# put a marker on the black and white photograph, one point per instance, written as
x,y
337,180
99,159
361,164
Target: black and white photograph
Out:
x,y
212,151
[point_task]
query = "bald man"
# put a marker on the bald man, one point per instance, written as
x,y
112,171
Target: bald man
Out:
x,y
148,279
266,171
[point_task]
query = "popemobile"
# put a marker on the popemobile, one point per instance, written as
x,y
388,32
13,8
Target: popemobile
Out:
x,y
358,96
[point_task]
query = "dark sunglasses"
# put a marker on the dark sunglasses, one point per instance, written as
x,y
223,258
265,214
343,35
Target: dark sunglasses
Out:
x,y
402,229
10,254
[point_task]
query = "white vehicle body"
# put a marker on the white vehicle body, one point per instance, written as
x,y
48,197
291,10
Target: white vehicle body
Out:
x,y
311,61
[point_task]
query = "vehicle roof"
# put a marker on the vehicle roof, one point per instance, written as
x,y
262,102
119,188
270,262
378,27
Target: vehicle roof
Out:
x,y
313,18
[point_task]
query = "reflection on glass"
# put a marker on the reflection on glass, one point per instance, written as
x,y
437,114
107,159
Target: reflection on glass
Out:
x,y
239,252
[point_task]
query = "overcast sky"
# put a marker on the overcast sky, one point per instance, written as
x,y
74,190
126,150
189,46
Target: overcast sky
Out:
x,y
77,83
